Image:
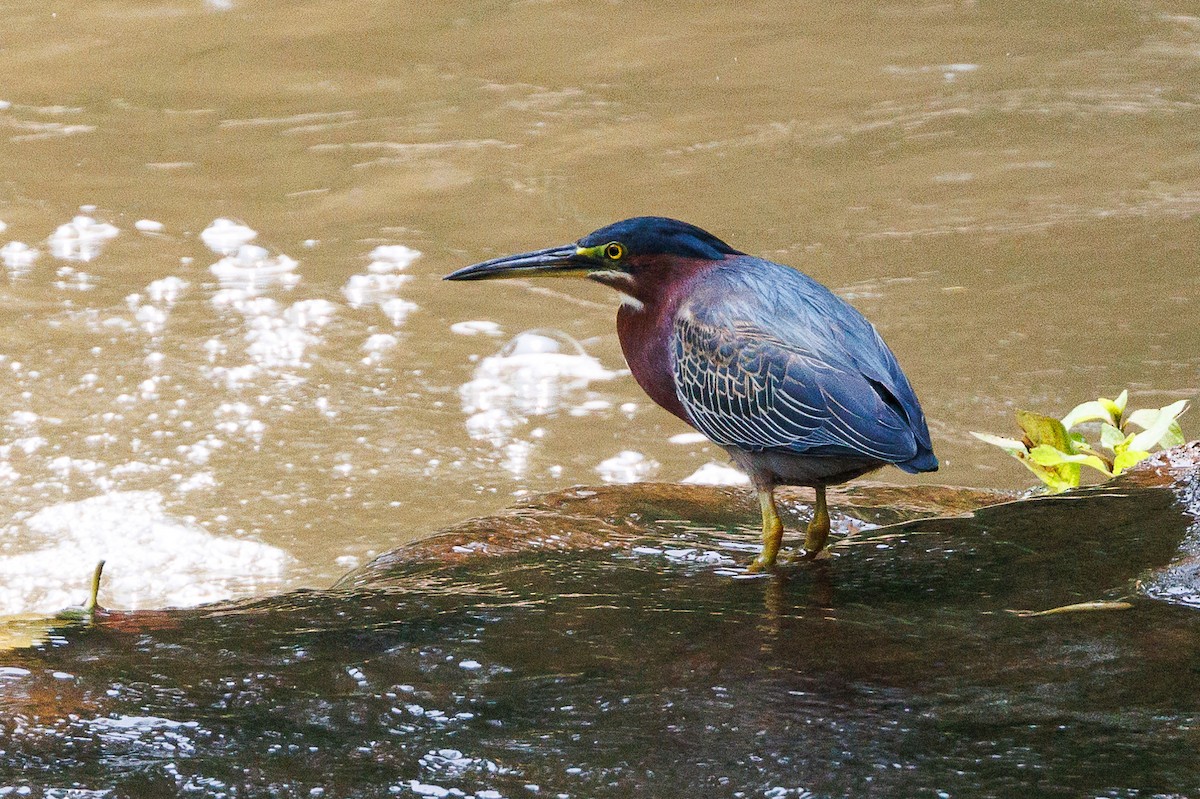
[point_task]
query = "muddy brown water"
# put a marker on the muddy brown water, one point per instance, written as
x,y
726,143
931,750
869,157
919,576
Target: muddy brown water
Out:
x,y
1010,192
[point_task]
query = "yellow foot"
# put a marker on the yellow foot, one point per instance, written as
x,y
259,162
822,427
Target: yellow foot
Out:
x,y
811,555
760,564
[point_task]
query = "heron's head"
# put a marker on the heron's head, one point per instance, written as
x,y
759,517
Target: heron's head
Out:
x,y
640,257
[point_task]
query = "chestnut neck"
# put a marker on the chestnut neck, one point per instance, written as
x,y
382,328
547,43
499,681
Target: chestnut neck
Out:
x,y
646,320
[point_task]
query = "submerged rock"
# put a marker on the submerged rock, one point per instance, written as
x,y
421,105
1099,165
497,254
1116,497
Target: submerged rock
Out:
x,y
606,643
608,517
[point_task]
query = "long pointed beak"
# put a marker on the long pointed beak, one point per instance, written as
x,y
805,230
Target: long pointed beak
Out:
x,y
551,261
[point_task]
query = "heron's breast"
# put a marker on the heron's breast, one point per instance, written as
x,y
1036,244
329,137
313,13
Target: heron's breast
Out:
x,y
646,332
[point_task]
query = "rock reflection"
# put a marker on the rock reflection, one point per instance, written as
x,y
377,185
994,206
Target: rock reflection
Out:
x,y
591,643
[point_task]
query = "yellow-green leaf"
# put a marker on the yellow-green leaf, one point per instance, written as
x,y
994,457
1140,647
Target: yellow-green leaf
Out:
x,y
1128,458
1040,429
1159,428
1093,411
1057,478
1116,407
1052,467
1010,445
1045,455
1112,438
1173,437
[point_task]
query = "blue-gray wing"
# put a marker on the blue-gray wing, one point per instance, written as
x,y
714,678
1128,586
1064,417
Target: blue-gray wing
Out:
x,y
793,378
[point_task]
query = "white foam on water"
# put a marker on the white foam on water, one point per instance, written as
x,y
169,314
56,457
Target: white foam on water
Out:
x,y
626,466
151,318
18,256
81,239
3,226
717,474
381,283
277,340
153,559
397,309
590,406
475,327
224,236
167,290
377,345
72,278
371,289
380,342
236,418
252,268
533,374
392,258
688,438
149,226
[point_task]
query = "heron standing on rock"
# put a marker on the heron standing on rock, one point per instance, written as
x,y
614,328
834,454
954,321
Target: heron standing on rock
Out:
x,y
794,383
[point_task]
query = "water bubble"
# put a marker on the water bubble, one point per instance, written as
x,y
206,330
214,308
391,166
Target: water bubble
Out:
x,y
224,236
18,257
626,466
533,374
253,268
716,474
80,239
475,327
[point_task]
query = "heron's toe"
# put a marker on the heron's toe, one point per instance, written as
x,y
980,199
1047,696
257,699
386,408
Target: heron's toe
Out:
x,y
760,565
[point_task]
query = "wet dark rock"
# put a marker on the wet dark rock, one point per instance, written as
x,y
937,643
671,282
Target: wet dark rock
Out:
x,y
1177,470
607,517
606,643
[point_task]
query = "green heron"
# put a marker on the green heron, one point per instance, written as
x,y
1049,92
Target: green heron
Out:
x,y
794,383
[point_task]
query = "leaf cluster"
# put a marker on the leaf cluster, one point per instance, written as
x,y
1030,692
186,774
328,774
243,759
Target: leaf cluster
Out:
x,y
1056,453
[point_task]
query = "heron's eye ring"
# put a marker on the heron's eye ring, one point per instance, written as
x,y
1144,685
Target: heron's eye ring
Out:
x,y
614,251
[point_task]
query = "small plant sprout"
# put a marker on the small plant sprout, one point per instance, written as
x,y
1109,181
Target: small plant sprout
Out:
x,y
1051,450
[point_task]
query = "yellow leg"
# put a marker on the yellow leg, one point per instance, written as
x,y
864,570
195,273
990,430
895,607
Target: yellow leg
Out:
x,y
818,529
772,532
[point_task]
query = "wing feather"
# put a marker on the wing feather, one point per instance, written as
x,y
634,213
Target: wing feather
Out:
x,y
745,385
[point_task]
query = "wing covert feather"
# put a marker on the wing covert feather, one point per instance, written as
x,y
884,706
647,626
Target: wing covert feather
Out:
x,y
746,385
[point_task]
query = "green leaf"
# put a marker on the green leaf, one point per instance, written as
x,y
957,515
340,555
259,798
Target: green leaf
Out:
x,y
1056,478
1010,445
1053,467
1116,407
1173,437
1046,455
1096,410
1128,458
1159,428
1111,437
1041,429
1144,417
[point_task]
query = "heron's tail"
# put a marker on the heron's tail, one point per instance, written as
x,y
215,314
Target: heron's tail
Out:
x,y
923,461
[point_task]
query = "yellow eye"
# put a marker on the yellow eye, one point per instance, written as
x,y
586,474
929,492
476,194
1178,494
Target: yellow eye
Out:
x,y
614,251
